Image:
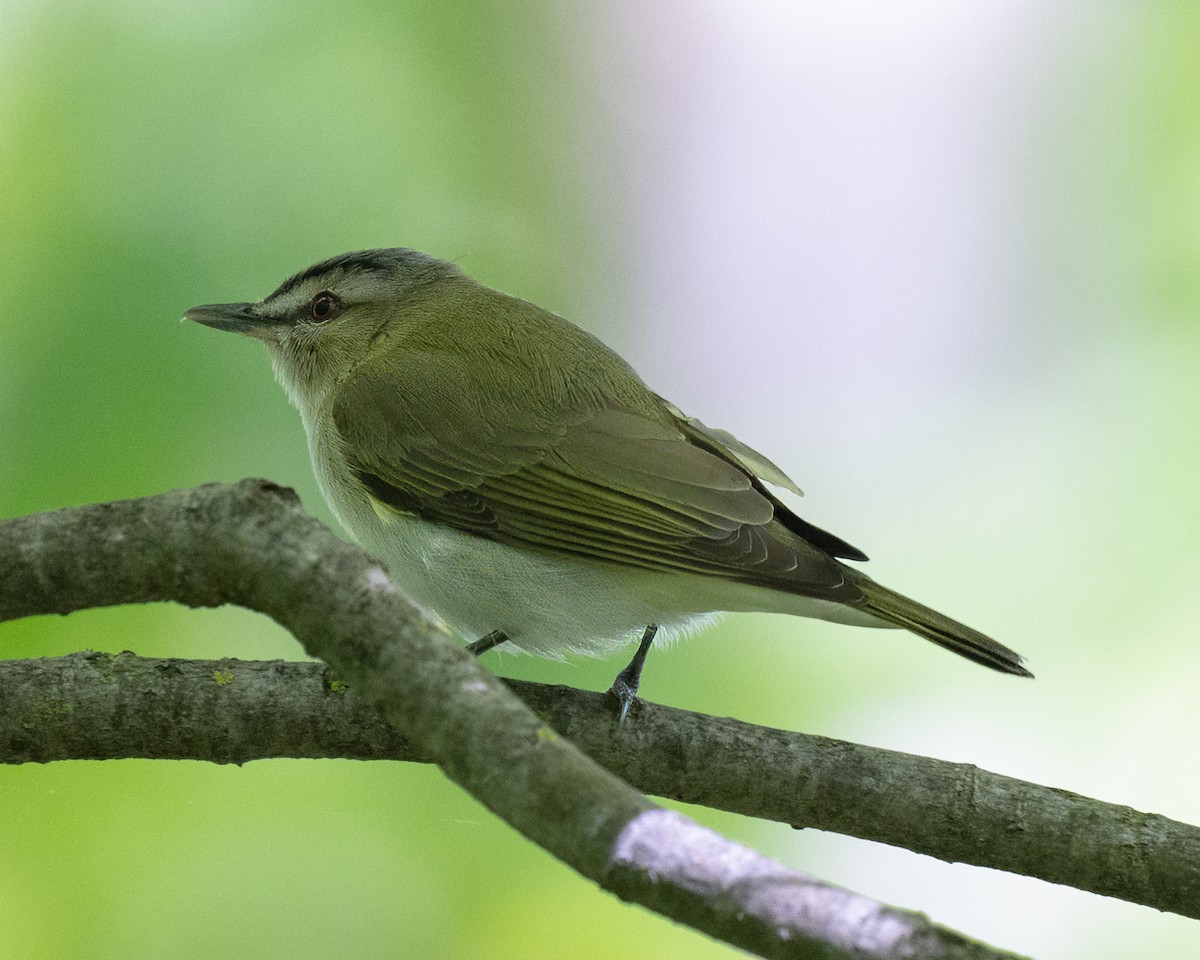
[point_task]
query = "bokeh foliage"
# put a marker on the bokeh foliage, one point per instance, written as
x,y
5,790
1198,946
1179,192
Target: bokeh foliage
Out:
x,y
155,156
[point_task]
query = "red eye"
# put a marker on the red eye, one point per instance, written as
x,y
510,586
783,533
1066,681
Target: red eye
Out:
x,y
323,306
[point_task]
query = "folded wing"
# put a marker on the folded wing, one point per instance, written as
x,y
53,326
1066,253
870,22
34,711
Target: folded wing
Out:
x,y
542,466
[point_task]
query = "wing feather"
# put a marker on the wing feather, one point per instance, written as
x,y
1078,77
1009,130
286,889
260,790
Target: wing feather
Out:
x,y
573,473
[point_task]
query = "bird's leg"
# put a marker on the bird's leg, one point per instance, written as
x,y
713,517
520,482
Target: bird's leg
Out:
x,y
484,644
625,687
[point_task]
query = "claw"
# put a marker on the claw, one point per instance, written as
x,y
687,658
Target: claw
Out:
x,y
625,695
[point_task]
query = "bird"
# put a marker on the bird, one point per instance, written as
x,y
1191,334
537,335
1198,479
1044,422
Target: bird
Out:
x,y
524,485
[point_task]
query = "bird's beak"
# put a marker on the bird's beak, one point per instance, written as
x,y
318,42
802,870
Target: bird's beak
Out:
x,y
234,317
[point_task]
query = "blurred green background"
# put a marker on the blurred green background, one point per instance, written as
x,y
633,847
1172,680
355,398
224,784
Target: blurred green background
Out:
x,y
941,262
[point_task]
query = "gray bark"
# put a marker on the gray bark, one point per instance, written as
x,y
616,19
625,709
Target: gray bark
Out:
x,y
252,545
96,706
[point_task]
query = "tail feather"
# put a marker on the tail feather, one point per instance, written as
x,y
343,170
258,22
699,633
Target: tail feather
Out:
x,y
900,610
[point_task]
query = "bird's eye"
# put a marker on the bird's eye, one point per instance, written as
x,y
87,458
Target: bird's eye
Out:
x,y
323,306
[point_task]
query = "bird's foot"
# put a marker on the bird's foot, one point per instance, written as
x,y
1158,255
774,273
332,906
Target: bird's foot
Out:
x,y
625,693
625,686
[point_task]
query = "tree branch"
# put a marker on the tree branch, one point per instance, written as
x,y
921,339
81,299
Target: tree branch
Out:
x,y
251,544
94,706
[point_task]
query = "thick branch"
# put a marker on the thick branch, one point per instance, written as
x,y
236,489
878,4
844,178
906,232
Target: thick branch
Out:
x,y
252,545
99,706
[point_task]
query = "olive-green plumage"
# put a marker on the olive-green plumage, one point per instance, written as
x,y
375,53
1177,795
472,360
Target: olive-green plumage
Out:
x,y
518,476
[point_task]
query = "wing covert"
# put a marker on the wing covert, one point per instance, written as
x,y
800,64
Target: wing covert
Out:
x,y
570,474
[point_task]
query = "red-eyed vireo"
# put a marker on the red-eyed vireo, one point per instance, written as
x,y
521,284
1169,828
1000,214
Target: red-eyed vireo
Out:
x,y
520,480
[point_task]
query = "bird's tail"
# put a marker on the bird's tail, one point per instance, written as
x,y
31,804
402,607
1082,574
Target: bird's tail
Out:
x,y
894,608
